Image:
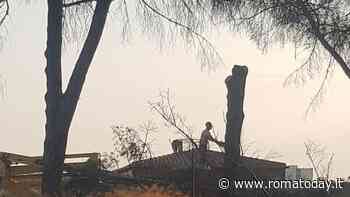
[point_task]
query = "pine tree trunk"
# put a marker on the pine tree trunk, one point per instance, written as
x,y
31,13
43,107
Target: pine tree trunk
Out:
x,y
53,137
60,107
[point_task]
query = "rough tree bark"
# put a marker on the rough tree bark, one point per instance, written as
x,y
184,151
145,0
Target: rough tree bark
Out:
x,y
235,84
53,137
60,107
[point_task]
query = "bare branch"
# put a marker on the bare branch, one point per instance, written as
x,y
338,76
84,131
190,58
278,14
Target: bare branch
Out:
x,y
2,87
317,98
317,155
4,3
329,166
166,110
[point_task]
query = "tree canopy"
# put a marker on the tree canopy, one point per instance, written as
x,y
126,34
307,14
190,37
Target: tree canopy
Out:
x,y
318,27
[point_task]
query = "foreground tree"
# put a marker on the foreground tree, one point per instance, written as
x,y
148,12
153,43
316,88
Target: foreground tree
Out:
x,y
60,106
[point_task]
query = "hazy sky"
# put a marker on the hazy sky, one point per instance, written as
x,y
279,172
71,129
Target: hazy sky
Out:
x,y
124,77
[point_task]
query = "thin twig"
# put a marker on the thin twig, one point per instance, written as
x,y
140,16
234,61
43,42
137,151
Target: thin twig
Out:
x,y
189,29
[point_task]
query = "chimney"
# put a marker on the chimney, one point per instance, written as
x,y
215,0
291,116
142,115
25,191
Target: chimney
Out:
x,y
177,145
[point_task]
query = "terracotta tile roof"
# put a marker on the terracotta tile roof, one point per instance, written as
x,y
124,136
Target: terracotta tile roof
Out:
x,y
183,160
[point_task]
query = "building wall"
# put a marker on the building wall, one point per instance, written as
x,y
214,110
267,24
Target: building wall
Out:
x,y
305,173
295,173
291,172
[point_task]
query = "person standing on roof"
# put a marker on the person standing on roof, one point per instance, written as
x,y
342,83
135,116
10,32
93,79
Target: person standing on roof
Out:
x,y
204,141
206,137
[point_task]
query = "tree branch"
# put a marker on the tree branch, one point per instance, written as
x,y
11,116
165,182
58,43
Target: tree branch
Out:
x,y
315,29
165,109
66,5
83,63
189,29
6,12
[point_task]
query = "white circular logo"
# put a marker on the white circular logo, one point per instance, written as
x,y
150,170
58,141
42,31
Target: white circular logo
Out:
x,y
224,183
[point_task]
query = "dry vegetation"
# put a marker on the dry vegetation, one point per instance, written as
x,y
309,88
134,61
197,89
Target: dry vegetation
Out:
x,y
152,191
144,191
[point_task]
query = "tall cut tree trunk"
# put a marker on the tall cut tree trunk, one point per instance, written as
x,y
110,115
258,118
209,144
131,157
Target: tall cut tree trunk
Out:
x,y
60,107
235,84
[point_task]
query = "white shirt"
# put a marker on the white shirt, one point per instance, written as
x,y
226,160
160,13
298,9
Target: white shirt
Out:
x,y
205,137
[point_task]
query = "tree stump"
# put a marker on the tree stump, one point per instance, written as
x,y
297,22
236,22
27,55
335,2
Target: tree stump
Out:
x,y
235,84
